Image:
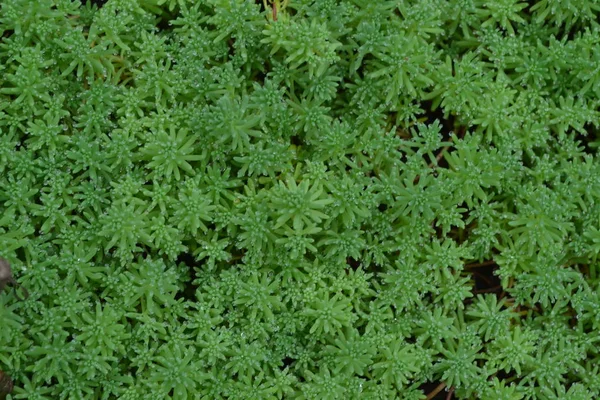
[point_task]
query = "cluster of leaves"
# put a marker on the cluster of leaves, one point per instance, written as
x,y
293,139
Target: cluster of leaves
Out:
x,y
207,202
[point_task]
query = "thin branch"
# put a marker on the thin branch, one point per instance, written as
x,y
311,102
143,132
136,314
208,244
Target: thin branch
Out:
x,y
435,391
439,157
489,290
483,264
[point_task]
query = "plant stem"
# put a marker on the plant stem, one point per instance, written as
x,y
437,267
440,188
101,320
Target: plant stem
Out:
x,y
435,391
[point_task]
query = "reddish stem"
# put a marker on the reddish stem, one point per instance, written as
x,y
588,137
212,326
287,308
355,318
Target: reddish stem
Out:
x,y
438,157
435,391
490,290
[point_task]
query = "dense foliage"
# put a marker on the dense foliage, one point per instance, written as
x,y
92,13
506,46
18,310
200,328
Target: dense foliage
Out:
x,y
332,199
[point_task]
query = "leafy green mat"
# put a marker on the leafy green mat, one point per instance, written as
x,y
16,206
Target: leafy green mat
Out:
x,y
332,199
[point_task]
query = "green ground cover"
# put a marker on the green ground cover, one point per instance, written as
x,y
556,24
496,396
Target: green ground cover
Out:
x,y
332,199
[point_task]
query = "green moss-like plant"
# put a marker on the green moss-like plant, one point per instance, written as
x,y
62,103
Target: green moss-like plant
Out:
x,y
303,199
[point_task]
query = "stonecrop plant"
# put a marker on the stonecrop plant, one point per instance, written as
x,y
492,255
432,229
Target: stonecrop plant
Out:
x,y
300,199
